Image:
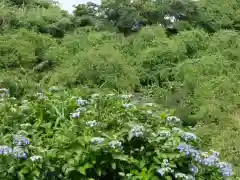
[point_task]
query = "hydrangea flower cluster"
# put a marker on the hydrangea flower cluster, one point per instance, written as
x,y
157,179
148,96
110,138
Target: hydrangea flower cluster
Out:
x,y
184,176
92,123
20,141
212,160
35,158
80,102
5,150
193,169
137,131
173,120
53,89
187,136
116,144
165,168
75,114
97,140
41,96
18,151
164,133
3,92
129,105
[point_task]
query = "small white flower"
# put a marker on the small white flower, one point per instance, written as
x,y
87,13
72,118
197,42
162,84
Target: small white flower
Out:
x,y
53,89
92,123
149,104
164,133
126,96
35,158
129,105
110,95
95,95
149,111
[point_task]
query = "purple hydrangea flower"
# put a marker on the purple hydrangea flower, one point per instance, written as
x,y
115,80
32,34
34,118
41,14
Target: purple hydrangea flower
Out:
x,y
225,168
193,169
5,150
92,123
19,153
137,131
20,140
115,144
4,92
187,136
75,114
97,140
82,102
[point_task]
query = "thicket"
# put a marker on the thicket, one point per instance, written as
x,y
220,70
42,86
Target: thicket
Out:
x,y
184,55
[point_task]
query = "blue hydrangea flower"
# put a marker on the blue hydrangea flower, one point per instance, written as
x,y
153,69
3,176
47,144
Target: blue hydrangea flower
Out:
x,y
164,133
92,123
4,92
211,160
115,144
20,140
173,119
163,171
187,136
75,114
41,96
19,153
193,169
189,151
165,162
97,140
225,168
5,150
137,131
82,102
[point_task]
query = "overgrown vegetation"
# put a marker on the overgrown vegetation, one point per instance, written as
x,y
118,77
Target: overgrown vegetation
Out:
x,y
183,55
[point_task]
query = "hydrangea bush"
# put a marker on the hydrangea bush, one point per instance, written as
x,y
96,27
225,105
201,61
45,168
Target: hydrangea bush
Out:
x,y
55,135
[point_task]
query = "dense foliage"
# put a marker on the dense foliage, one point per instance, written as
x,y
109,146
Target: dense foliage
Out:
x,y
104,137
180,54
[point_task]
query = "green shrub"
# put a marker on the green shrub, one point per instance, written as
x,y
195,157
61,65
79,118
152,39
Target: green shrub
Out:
x,y
104,66
104,137
24,48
